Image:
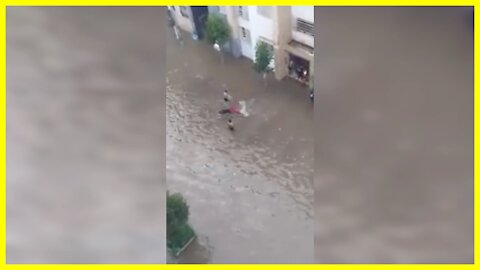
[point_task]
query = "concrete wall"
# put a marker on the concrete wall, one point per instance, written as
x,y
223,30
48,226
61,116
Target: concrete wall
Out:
x,y
247,49
186,24
282,21
234,44
306,13
259,26
277,29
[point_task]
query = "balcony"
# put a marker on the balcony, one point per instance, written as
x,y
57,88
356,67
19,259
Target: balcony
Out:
x,y
300,49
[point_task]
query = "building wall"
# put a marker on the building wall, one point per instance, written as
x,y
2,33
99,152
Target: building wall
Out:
x,y
278,29
306,13
246,48
259,26
184,23
282,18
235,42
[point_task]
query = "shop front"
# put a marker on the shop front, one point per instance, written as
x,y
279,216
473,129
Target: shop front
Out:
x,y
298,68
300,62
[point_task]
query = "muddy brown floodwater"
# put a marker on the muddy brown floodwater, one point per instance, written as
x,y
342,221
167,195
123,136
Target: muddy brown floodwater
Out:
x,y
250,191
85,135
394,135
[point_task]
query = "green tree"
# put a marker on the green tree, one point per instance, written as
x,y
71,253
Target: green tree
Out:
x,y
263,58
179,231
177,209
217,31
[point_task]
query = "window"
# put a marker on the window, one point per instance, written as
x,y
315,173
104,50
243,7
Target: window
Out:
x,y
245,34
305,27
265,11
243,12
184,11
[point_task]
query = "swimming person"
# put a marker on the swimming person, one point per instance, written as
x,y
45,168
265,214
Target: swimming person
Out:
x,y
232,109
226,96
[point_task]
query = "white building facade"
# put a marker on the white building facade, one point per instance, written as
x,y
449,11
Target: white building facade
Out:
x,y
289,30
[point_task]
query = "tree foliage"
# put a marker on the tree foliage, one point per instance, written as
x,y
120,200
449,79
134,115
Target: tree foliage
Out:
x,y
178,230
177,209
263,57
217,29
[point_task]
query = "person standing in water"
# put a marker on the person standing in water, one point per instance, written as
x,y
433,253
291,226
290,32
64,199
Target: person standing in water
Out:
x,y
226,96
230,125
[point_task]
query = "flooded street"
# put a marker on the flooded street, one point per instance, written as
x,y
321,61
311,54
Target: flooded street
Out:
x,y
250,191
106,110
394,135
85,135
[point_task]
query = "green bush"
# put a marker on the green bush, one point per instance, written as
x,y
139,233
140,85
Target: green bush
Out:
x,y
178,236
217,30
178,230
263,57
177,209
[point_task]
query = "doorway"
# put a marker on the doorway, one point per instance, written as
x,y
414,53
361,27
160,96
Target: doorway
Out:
x,y
199,16
299,69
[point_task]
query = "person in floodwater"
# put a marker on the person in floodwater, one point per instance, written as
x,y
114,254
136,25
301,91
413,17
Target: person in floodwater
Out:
x,y
226,96
231,109
230,124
